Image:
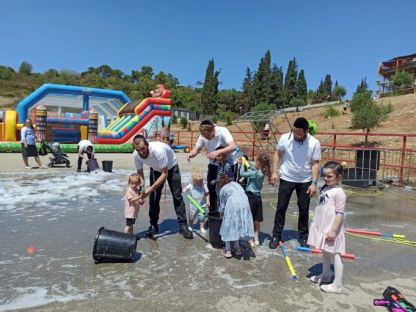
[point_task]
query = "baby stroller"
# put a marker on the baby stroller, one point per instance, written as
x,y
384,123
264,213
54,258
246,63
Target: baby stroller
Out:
x,y
58,158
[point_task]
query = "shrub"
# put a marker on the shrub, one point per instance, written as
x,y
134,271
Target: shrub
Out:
x,y
184,122
174,119
331,112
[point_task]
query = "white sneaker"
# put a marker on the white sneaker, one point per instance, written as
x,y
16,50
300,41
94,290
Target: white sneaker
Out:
x,y
43,167
318,279
28,167
331,288
256,242
203,231
190,228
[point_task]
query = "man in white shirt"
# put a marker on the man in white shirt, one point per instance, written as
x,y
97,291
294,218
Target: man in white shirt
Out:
x,y
298,154
85,147
212,137
163,166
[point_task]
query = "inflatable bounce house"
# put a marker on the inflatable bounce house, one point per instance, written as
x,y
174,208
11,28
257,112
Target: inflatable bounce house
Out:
x,y
108,118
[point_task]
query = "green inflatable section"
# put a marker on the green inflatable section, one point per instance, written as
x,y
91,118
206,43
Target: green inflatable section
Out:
x,y
15,147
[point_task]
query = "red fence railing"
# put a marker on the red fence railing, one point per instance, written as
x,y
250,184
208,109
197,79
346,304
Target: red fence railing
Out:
x,y
397,151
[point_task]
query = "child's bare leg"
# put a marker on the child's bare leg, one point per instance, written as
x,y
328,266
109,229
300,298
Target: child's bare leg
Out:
x,y
256,231
128,229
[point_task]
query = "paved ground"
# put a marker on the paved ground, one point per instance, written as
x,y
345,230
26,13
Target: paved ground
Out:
x,y
58,212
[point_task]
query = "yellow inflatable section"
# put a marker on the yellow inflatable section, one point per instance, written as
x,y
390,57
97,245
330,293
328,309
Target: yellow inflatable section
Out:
x,y
10,126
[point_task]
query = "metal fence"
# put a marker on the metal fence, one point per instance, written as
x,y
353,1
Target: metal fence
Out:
x,y
385,157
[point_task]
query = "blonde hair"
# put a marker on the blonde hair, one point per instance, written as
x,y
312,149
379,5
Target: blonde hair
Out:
x,y
134,177
197,176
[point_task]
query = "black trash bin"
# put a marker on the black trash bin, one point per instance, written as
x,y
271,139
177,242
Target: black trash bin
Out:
x,y
214,225
114,246
108,165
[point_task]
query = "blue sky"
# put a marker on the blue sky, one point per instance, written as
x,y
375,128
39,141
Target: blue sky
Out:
x,y
346,39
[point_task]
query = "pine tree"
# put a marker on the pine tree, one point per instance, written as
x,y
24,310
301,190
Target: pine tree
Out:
x,y
290,81
327,87
277,86
362,87
247,101
262,81
301,87
210,90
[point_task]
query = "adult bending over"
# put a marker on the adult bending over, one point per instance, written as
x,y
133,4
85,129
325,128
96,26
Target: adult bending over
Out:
x,y
85,151
213,136
163,166
298,154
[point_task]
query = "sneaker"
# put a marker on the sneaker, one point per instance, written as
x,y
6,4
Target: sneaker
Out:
x,y
184,231
43,167
331,288
274,242
256,242
28,167
203,231
318,279
227,254
190,228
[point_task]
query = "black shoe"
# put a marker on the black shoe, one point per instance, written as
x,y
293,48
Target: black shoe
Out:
x,y
184,231
274,242
152,231
303,243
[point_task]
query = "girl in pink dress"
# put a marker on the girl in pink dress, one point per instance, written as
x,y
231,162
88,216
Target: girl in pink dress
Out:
x,y
132,202
327,229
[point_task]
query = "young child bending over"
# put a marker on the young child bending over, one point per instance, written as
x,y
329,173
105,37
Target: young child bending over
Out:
x,y
237,222
327,229
132,202
255,177
200,193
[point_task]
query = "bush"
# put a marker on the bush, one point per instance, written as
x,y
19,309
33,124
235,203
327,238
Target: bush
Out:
x,y
331,112
184,122
174,119
214,119
227,117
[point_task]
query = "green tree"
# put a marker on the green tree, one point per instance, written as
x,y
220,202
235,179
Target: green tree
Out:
x,y
360,100
6,73
210,89
290,81
401,81
25,68
301,87
296,102
262,107
277,86
366,118
327,88
363,86
247,98
340,92
262,88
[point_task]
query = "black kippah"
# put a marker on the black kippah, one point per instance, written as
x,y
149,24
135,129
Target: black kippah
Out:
x,y
206,122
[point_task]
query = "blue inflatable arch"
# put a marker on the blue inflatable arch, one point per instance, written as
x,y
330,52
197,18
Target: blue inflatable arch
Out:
x,y
24,105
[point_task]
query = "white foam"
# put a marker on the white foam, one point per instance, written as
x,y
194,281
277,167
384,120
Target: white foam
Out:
x,y
29,297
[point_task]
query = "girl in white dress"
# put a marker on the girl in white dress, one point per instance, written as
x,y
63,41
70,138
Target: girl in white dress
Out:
x,y
327,229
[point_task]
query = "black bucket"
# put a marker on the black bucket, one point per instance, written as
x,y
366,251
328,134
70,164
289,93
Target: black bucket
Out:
x,y
108,165
114,246
92,165
214,225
